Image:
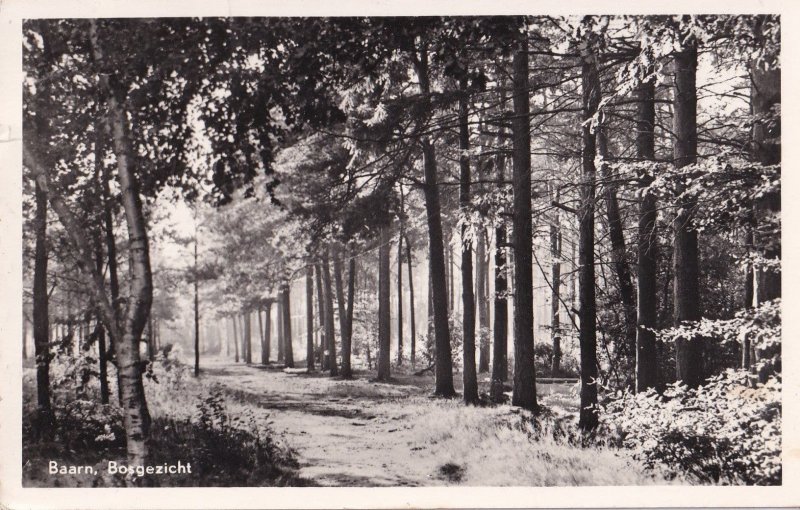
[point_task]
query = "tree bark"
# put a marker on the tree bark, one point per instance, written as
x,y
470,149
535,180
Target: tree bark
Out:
x,y
467,289
340,298
590,80
400,291
555,295
235,338
524,390
482,291
500,329
412,321
248,338
647,248
288,356
281,332
686,288
196,313
330,347
347,338
310,318
41,320
384,311
323,361
267,333
444,360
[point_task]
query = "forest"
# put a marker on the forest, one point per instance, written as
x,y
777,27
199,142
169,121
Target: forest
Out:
x,y
402,251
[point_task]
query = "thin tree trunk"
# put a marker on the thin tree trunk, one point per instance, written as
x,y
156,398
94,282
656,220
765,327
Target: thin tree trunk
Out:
x,y
500,327
196,313
281,332
482,290
555,296
411,304
686,288
310,318
647,249
444,359
384,312
235,338
590,80
323,359
524,392
400,287
340,298
248,338
261,336
288,357
347,338
467,289
41,321
267,333
330,347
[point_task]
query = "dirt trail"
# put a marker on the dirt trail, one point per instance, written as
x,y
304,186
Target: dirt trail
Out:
x,y
350,433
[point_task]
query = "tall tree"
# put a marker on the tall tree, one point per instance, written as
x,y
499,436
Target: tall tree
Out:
x,y
41,320
467,289
524,391
685,258
647,247
288,356
310,318
411,304
330,346
384,312
590,84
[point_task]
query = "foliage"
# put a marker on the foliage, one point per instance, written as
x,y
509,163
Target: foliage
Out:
x,y
724,432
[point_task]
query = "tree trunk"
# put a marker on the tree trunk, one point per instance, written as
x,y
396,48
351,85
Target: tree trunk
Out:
x,y
400,288
248,338
441,326
347,338
235,338
288,357
555,296
310,318
482,291
323,359
524,393
685,259
340,298
261,335
281,332
647,249
590,80
500,329
411,305
616,234
330,347
384,311
196,314
467,289
267,333
41,321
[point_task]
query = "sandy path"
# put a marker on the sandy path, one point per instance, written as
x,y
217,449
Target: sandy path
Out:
x,y
350,433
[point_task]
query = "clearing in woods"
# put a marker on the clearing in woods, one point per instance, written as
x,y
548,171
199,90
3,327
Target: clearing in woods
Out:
x,y
365,433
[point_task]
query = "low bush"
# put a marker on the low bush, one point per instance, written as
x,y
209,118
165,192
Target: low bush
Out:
x,y
727,431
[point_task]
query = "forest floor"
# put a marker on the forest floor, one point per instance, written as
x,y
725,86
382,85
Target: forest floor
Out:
x,y
361,432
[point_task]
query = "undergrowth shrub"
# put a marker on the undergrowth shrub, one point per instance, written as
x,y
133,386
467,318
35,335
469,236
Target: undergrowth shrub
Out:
x,y
727,431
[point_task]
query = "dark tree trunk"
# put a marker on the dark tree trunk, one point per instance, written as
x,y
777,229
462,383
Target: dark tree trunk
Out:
x,y
248,338
347,337
685,259
41,321
310,318
288,357
616,234
267,333
400,290
467,289
384,311
412,321
281,332
482,290
555,296
235,338
330,347
524,391
197,315
500,329
340,298
441,326
647,248
323,346
261,335
588,306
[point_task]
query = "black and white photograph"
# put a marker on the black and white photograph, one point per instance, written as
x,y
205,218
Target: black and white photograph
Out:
x,y
399,251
